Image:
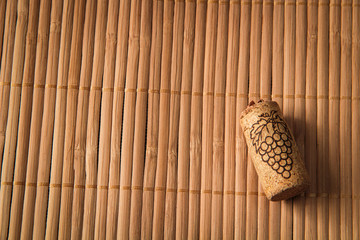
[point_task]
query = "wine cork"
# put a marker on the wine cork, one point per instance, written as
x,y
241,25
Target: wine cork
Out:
x,y
273,151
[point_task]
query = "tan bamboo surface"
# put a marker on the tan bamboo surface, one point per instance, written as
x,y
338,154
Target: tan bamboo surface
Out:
x,y
182,201
219,121
105,119
299,110
196,122
129,117
175,82
93,115
120,119
13,115
6,68
208,120
152,120
118,101
81,118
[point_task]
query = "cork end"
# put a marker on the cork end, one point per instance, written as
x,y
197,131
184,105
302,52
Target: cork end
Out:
x,y
254,105
290,192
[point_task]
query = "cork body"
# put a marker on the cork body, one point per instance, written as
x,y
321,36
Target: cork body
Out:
x,y
273,151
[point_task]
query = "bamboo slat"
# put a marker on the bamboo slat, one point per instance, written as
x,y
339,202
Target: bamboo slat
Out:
x,y
92,137
2,22
6,68
152,120
81,118
176,76
117,111
239,69
219,122
129,116
140,121
310,117
299,110
182,201
208,120
22,131
13,114
50,122
196,121
323,121
105,119
345,122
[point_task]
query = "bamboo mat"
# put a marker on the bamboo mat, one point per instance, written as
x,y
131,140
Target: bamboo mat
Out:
x,y
120,119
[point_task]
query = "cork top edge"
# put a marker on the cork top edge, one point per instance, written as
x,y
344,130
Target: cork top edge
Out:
x,y
253,105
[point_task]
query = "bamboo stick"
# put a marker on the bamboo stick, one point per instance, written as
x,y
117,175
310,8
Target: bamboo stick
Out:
x,y
81,118
323,121
310,118
13,116
277,95
93,123
254,94
239,67
73,65
355,117
164,122
176,76
22,132
208,120
105,120
140,121
6,68
2,22
196,122
182,200
129,116
219,121
345,122
116,130
152,121
50,110
289,100
299,110
265,94
37,149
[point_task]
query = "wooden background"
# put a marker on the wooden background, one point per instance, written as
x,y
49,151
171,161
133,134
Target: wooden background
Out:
x,y
120,119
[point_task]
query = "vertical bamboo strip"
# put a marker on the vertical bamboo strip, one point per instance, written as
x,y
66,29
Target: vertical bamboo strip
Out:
x,y
92,136
105,119
265,94
81,117
13,115
50,115
182,200
196,121
40,145
310,118
30,151
299,109
6,68
176,76
164,122
238,69
277,95
2,22
289,100
129,116
254,94
355,117
63,103
152,120
323,121
219,121
140,121
22,131
208,120
345,122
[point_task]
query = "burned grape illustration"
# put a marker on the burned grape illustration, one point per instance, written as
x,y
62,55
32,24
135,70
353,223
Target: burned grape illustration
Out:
x,y
272,140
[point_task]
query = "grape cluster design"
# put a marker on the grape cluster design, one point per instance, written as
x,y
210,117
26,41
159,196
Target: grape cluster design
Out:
x,y
272,141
